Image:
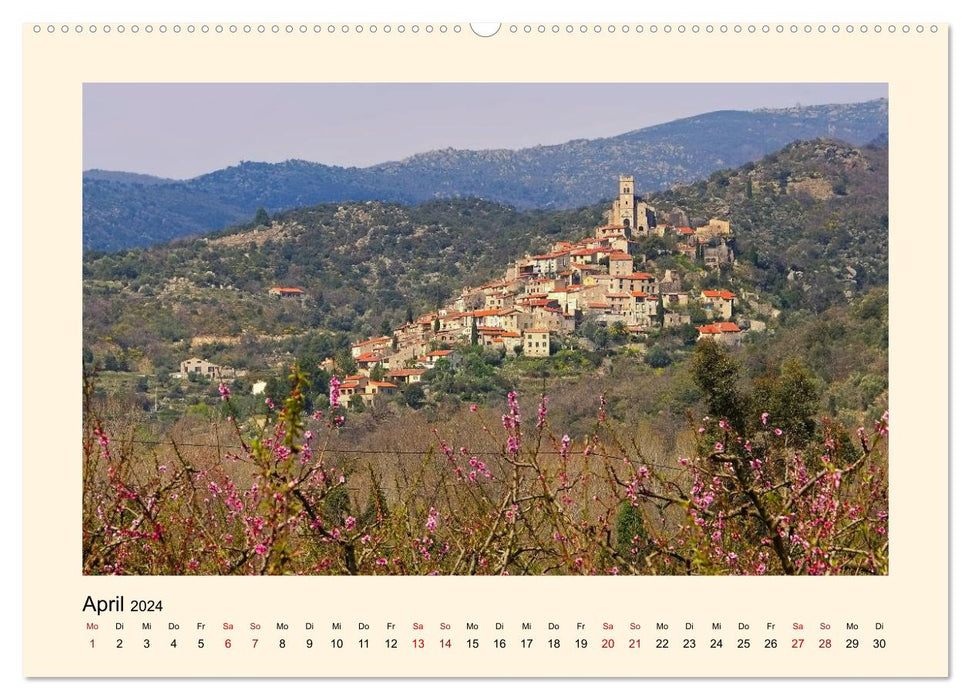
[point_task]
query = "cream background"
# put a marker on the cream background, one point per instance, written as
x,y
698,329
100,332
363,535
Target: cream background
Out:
x,y
911,601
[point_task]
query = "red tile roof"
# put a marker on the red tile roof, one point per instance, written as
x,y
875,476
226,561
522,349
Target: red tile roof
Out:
x,y
621,256
382,339
287,290
406,372
720,293
716,328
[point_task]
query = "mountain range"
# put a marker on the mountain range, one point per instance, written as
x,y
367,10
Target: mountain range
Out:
x,y
127,210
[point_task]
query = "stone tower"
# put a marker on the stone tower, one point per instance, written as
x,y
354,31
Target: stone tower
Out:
x,y
627,215
628,210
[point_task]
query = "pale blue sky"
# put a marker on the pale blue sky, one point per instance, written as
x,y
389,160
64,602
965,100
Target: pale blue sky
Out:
x,y
183,130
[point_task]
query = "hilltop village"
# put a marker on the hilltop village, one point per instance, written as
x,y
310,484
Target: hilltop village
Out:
x,y
546,296
542,299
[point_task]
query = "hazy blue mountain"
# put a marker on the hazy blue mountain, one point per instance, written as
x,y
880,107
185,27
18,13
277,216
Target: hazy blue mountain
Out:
x,y
123,210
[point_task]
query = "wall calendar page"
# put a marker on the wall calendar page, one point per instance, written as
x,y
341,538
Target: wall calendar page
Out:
x,y
520,350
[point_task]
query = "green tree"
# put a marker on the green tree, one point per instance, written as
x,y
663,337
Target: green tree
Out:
x,y
345,362
791,398
261,218
716,374
632,540
413,395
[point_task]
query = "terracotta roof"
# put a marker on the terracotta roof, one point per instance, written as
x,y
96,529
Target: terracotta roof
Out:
x,y
597,305
685,230
550,256
406,372
716,328
592,251
721,293
537,330
440,353
287,290
382,339
385,384
621,256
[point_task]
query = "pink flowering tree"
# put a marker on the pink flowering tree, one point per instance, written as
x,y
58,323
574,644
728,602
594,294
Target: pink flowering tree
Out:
x,y
503,493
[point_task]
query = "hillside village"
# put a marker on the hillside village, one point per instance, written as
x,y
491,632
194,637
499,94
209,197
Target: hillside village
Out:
x,y
545,296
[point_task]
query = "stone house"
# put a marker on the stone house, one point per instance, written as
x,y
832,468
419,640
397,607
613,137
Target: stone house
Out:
x,y
718,303
195,367
536,342
723,333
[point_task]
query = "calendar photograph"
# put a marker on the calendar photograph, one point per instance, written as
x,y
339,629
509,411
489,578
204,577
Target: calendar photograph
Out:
x,y
571,356
485,329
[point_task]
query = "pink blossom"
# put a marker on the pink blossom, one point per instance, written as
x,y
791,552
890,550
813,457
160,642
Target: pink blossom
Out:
x,y
719,447
512,444
473,408
777,431
564,445
335,392
381,561
224,391
349,523
765,418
